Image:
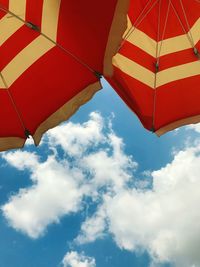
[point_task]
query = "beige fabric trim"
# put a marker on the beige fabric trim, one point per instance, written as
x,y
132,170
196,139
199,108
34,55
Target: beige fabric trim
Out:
x,y
37,48
176,124
25,59
66,111
50,18
144,42
147,77
7,143
18,7
118,27
9,24
170,45
134,70
178,73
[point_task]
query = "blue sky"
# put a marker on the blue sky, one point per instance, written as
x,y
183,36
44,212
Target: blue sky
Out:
x,y
102,191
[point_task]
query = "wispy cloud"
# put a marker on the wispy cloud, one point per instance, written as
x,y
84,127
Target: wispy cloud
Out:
x,y
195,127
74,259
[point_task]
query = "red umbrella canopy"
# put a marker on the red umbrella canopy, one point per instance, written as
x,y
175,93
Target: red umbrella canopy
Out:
x,y
52,54
157,67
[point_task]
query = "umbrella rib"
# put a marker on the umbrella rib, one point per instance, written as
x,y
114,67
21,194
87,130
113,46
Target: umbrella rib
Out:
x,y
158,53
138,21
187,22
185,31
138,18
164,29
196,52
156,68
36,28
72,55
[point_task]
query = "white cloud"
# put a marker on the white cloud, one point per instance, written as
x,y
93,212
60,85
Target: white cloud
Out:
x,y
93,228
73,259
110,167
195,127
21,160
164,220
55,192
75,139
60,185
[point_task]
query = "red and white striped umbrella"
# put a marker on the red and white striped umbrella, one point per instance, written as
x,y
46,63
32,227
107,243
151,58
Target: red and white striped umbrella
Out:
x,y
51,55
157,68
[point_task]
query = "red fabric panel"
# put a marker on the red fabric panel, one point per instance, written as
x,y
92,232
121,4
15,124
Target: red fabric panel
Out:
x,y
177,100
15,44
34,11
178,58
84,27
136,95
3,3
9,121
138,55
47,85
149,24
